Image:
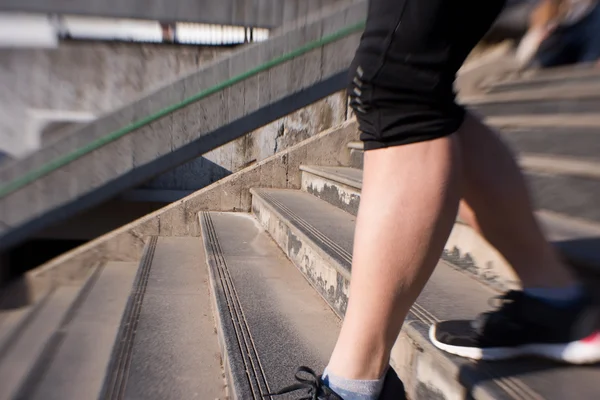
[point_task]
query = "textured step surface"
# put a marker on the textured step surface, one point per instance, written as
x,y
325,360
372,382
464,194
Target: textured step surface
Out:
x,y
561,141
270,320
467,249
564,184
76,366
574,196
568,184
554,77
23,349
322,237
13,320
168,348
569,135
581,98
579,240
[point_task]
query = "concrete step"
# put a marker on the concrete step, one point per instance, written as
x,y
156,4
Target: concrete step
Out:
x,y
572,135
75,366
29,333
135,330
560,178
269,319
465,248
560,141
574,99
553,77
356,154
317,237
339,186
579,240
166,346
14,319
564,185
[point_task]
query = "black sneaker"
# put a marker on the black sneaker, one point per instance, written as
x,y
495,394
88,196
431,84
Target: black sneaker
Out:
x,y
525,326
312,385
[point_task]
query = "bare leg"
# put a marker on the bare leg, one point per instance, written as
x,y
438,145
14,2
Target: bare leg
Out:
x,y
408,205
496,203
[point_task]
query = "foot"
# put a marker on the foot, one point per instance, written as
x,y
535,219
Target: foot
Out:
x,y
311,386
525,326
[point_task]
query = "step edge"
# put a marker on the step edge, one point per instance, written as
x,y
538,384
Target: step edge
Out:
x,y
234,379
533,95
587,262
332,176
577,258
501,280
583,120
22,321
560,165
550,76
256,193
482,388
356,145
476,388
115,379
575,223
28,381
532,84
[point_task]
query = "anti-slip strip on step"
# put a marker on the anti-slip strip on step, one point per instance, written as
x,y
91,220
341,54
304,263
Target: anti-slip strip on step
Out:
x,y
228,302
119,371
513,387
304,225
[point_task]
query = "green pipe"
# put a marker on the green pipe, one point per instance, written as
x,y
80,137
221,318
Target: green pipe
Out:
x,y
61,161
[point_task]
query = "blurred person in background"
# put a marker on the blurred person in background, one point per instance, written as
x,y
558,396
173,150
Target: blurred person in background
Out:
x,y
561,32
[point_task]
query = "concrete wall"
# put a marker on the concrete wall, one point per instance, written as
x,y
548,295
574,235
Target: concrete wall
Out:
x,y
245,152
255,146
258,13
81,80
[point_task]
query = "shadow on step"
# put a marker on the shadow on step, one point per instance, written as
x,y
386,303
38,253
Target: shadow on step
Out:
x,y
534,371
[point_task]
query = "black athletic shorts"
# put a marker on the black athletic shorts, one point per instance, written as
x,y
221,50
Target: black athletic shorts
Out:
x,y
402,77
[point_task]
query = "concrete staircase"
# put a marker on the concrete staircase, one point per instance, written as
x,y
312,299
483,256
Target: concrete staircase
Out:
x,y
231,310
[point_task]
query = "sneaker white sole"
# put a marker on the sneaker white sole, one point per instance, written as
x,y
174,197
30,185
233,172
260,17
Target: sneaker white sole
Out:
x,y
585,351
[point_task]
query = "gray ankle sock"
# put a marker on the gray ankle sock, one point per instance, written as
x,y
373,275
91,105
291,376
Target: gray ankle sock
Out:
x,y
559,297
351,389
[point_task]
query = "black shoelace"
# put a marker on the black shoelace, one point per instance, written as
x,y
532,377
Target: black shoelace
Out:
x,y
312,384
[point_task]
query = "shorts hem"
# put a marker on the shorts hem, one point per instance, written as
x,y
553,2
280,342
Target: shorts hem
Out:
x,y
404,140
